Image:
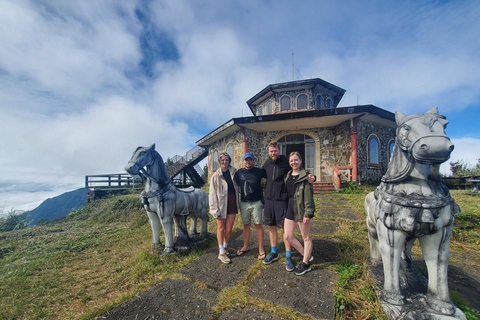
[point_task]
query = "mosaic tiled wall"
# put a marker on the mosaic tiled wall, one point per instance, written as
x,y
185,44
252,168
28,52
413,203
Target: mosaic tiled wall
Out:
x,y
332,147
372,174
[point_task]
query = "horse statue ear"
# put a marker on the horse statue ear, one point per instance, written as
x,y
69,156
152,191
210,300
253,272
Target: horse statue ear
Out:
x,y
400,166
433,110
152,147
399,116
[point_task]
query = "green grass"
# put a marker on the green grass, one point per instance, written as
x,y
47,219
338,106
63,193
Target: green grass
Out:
x,y
99,256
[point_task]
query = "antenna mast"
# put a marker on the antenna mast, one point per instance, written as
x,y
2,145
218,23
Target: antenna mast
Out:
x,y
293,67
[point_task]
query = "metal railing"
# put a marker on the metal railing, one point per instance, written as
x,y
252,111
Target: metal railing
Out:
x,y
112,181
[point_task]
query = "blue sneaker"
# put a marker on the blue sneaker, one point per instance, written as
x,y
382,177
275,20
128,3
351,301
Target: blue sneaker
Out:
x,y
289,264
270,258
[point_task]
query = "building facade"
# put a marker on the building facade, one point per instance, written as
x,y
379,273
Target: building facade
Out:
x,y
337,144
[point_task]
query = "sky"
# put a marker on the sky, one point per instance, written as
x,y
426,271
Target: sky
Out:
x,y
83,83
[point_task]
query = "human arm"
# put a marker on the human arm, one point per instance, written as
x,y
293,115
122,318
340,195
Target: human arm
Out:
x,y
212,197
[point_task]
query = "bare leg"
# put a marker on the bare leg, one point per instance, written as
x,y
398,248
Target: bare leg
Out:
x,y
273,234
307,240
221,226
246,237
288,235
229,226
259,229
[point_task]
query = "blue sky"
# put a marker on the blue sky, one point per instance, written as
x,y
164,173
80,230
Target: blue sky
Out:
x,y
83,83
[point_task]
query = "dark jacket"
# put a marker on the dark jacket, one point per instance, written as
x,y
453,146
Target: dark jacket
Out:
x,y
249,182
276,171
303,197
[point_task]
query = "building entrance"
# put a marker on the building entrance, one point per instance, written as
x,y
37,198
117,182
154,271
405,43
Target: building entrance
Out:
x,y
302,144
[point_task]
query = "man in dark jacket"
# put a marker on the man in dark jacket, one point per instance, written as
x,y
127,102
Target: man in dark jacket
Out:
x,y
249,180
276,167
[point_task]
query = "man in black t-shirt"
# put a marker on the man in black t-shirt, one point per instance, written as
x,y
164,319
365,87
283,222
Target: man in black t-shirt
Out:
x,y
249,180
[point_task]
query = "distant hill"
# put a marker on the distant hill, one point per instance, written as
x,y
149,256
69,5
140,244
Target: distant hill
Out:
x,y
58,207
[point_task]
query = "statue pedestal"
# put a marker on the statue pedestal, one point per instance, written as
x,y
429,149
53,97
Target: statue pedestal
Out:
x,y
414,286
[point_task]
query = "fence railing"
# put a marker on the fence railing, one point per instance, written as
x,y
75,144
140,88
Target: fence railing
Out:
x,y
112,181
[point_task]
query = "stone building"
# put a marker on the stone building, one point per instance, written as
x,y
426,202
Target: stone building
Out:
x,y
337,144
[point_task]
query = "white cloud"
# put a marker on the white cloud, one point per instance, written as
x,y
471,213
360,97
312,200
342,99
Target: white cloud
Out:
x,y
75,100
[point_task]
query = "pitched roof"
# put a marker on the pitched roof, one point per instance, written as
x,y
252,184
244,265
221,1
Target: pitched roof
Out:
x,y
336,92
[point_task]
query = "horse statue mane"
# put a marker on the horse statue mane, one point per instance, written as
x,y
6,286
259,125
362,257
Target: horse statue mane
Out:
x,y
167,204
411,202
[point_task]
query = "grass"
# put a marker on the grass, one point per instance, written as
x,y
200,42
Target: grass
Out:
x,y
99,256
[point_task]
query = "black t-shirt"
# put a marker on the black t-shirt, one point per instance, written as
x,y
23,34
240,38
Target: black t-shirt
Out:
x,y
228,178
250,183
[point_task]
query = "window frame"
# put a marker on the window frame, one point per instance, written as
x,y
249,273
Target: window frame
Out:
x,y
306,101
321,105
289,102
373,137
215,160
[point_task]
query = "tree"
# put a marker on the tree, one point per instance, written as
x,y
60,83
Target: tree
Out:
x,y
461,169
14,220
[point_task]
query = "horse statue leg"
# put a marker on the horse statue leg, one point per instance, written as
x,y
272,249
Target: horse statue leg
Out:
x,y
167,209
391,243
436,252
154,221
370,204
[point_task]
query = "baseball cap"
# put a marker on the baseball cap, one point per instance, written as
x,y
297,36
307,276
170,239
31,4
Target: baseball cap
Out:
x,y
248,155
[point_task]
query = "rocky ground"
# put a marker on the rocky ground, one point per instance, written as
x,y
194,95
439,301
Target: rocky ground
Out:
x,y
195,292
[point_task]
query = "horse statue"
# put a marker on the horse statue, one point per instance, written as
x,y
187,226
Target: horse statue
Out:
x,y
411,202
165,203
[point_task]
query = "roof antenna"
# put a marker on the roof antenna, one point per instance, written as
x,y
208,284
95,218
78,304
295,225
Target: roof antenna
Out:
x,y
293,67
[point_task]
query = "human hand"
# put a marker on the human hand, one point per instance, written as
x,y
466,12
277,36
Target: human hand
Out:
x,y
311,178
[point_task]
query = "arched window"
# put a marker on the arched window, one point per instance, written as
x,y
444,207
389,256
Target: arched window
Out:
x,y
391,145
329,103
285,103
215,160
260,111
230,152
319,102
269,108
302,101
373,152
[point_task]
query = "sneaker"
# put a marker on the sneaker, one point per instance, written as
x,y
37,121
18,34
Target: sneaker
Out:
x,y
223,257
271,257
289,264
302,269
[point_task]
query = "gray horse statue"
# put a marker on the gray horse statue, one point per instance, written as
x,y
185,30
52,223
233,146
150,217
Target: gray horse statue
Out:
x,y
165,203
411,202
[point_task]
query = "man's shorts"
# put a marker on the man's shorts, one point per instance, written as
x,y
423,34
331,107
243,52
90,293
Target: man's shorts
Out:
x,y
251,210
274,213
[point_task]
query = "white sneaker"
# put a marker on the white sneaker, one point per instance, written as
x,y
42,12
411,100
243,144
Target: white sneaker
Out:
x,y
224,258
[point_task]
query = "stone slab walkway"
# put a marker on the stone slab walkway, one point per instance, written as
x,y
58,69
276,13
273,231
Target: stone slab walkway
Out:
x,y
311,295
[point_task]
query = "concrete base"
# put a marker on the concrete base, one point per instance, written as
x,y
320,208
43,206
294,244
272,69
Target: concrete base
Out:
x,y
414,286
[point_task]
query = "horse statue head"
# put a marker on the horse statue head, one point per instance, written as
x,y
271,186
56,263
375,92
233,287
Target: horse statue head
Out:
x,y
147,157
420,138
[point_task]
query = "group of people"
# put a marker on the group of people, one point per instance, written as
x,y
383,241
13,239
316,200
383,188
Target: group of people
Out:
x,y
286,201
